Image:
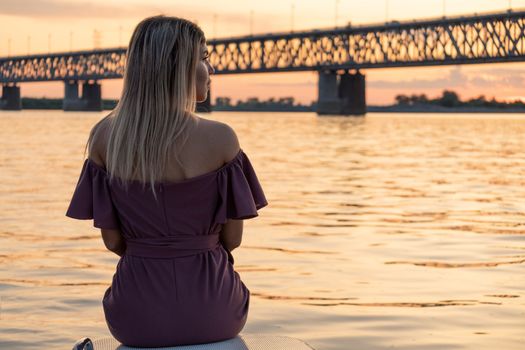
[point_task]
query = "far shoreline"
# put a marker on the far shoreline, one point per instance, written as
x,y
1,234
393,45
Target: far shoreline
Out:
x,y
31,103
437,109
370,109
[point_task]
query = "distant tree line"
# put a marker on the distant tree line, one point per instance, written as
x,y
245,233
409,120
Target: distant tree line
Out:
x,y
221,103
451,99
56,103
253,103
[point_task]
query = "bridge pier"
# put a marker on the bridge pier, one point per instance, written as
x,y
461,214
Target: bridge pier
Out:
x,y
11,100
70,95
328,101
352,93
91,96
341,94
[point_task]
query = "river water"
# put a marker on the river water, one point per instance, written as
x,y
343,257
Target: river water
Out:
x,y
390,231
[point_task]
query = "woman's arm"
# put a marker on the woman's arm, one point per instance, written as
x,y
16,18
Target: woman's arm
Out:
x,y
231,234
114,241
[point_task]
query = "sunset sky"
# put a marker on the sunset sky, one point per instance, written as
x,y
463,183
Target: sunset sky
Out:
x,y
40,26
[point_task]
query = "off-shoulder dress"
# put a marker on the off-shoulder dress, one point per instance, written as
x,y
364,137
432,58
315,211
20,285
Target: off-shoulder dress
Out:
x,y
174,284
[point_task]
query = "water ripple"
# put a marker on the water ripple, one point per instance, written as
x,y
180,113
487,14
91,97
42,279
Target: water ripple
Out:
x,y
456,265
289,251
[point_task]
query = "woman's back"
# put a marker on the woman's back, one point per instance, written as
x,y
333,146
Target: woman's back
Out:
x,y
210,144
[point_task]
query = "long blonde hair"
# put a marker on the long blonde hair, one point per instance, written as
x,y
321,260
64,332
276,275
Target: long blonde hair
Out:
x,y
157,101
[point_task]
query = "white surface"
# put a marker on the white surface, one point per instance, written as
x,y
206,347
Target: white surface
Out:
x,y
241,342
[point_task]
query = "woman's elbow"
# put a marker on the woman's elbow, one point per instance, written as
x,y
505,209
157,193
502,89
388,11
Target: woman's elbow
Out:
x,y
113,239
113,246
231,234
231,244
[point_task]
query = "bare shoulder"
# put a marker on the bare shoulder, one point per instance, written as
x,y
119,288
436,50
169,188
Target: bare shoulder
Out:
x,y
98,140
222,137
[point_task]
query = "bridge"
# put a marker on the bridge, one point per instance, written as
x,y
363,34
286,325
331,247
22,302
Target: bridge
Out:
x,y
337,54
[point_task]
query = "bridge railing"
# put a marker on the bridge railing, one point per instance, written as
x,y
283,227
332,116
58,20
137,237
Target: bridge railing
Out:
x,y
489,38
80,65
444,41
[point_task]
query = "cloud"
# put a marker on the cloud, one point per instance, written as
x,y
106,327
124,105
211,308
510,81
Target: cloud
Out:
x,y
54,9
456,78
228,23
285,83
80,9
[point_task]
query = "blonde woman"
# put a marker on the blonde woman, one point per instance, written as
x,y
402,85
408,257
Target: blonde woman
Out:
x,y
169,191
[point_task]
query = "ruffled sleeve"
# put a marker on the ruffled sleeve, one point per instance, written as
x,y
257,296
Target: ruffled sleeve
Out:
x,y
241,194
92,198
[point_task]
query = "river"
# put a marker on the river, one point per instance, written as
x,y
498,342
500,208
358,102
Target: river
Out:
x,y
398,231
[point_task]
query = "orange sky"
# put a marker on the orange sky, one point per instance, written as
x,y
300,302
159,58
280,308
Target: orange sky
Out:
x,y
40,26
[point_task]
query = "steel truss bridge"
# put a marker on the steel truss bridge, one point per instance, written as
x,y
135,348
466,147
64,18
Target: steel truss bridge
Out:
x,y
488,38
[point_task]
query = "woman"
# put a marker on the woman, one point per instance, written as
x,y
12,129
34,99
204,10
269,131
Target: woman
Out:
x,y
169,191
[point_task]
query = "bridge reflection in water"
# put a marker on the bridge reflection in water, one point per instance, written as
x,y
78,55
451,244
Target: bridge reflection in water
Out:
x,y
336,54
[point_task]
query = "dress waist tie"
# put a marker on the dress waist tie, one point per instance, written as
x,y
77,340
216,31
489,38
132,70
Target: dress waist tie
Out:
x,y
171,247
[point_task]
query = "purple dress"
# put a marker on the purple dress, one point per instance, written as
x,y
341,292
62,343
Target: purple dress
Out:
x,y
174,285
